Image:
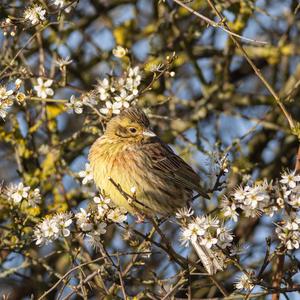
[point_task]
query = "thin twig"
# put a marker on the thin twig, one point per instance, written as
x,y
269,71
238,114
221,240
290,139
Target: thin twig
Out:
x,y
218,25
255,69
121,279
67,274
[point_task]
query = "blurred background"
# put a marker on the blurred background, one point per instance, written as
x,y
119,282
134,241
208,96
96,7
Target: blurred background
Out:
x,y
211,104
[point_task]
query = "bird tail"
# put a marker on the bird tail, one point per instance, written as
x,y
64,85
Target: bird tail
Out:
x,y
210,261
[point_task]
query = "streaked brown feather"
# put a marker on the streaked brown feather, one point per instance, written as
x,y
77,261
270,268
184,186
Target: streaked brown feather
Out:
x,y
170,165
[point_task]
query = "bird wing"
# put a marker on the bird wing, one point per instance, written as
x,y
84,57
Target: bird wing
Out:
x,y
172,166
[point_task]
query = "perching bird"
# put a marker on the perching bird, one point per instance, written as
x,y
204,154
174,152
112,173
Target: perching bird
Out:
x,y
132,156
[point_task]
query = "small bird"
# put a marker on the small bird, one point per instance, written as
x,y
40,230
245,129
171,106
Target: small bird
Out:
x,y
131,160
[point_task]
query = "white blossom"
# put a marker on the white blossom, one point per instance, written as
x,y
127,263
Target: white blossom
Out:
x,y
3,112
294,197
94,237
208,240
117,215
191,233
75,104
280,202
114,108
43,89
202,221
256,195
4,105
4,93
133,80
34,197
239,194
87,174
251,212
46,232
119,51
184,213
187,236
224,237
206,231
124,98
290,179
103,88
289,233
102,201
292,224
17,192
35,14
229,211
63,221
5,102
102,205
253,200
83,220
59,3
290,185
134,73
244,283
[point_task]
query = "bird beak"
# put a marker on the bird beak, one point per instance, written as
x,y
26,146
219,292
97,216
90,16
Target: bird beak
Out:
x,y
148,133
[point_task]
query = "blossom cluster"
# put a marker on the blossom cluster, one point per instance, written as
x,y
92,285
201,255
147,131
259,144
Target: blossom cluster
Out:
x,y
17,193
93,222
51,229
290,185
90,222
288,232
244,282
105,208
7,96
35,14
5,101
268,198
207,230
91,229
112,94
251,199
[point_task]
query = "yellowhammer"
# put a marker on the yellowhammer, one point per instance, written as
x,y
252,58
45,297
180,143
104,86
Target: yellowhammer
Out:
x,y
130,155
135,158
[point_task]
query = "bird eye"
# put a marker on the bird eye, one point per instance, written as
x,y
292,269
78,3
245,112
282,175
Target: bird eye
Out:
x,y
132,130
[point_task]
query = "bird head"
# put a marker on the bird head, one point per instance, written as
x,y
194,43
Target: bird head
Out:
x,y
131,124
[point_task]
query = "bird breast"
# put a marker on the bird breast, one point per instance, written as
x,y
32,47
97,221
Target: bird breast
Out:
x,y
117,161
